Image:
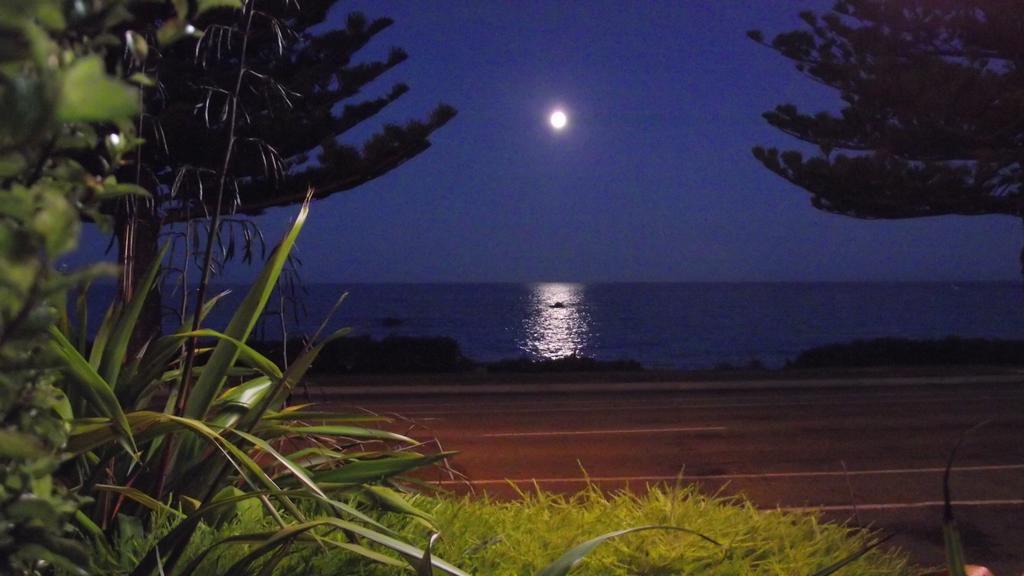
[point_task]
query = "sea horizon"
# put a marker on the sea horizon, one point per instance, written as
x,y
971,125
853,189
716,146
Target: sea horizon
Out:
x,y
671,325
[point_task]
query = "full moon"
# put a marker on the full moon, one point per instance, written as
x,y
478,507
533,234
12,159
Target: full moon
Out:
x,y
558,119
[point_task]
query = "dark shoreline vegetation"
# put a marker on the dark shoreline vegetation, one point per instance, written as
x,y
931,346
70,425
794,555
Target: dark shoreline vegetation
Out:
x,y
440,354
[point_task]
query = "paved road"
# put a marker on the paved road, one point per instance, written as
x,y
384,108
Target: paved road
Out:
x,y
871,456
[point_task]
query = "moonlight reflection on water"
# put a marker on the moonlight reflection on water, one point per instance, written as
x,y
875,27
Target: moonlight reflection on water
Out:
x,y
557,324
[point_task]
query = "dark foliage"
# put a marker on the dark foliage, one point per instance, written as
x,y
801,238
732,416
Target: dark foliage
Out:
x,y
889,352
933,102
301,90
754,364
57,105
410,355
248,115
391,355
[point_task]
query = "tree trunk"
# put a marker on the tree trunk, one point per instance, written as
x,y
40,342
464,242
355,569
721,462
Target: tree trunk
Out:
x,y
138,245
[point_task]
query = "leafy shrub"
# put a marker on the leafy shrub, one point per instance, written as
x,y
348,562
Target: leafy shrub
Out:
x,y
64,123
224,441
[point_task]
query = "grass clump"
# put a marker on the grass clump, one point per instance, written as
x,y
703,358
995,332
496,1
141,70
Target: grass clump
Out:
x,y
518,538
487,537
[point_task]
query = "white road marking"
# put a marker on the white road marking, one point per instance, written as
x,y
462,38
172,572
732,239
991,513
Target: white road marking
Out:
x,y
747,476
600,432
900,505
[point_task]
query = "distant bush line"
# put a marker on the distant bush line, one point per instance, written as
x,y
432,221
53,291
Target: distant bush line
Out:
x,y
409,355
950,351
566,364
364,355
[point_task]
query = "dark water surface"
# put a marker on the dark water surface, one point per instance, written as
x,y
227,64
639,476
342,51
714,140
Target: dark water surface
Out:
x,y
665,325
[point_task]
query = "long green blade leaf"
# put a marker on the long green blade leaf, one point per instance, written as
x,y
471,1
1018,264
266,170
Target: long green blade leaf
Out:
x,y
99,343
291,532
92,386
140,497
356,432
117,347
209,383
295,372
377,469
842,563
304,478
565,562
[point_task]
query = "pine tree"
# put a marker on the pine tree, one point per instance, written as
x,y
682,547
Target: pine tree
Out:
x,y
932,115
299,90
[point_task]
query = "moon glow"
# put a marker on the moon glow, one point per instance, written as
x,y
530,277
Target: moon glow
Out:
x,y
558,120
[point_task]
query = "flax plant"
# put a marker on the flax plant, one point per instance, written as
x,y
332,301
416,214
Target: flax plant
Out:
x,y
242,444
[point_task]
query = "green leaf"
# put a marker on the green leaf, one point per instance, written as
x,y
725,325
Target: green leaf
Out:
x,y
207,5
170,32
954,548
12,164
81,333
155,360
99,343
119,189
565,562
50,15
210,382
57,222
88,526
425,565
141,79
842,563
77,137
89,434
166,552
363,471
140,497
246,353
21,446
89,94
324,417
92,530
393,501
116,349
304,478
955,562
137,47
288,534
222,516
93,387
292,376
246,393
356,432
58,558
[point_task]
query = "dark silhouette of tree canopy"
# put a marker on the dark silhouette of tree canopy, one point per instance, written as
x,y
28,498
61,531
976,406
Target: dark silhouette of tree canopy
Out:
x,y
294,107
299,89
932,121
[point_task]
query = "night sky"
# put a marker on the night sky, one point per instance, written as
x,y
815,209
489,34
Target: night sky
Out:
x,y
653,179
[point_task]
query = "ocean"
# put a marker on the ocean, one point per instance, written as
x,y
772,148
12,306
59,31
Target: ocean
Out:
x,y
683,325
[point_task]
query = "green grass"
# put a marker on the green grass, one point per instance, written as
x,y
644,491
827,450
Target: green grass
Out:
x,y
494,538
